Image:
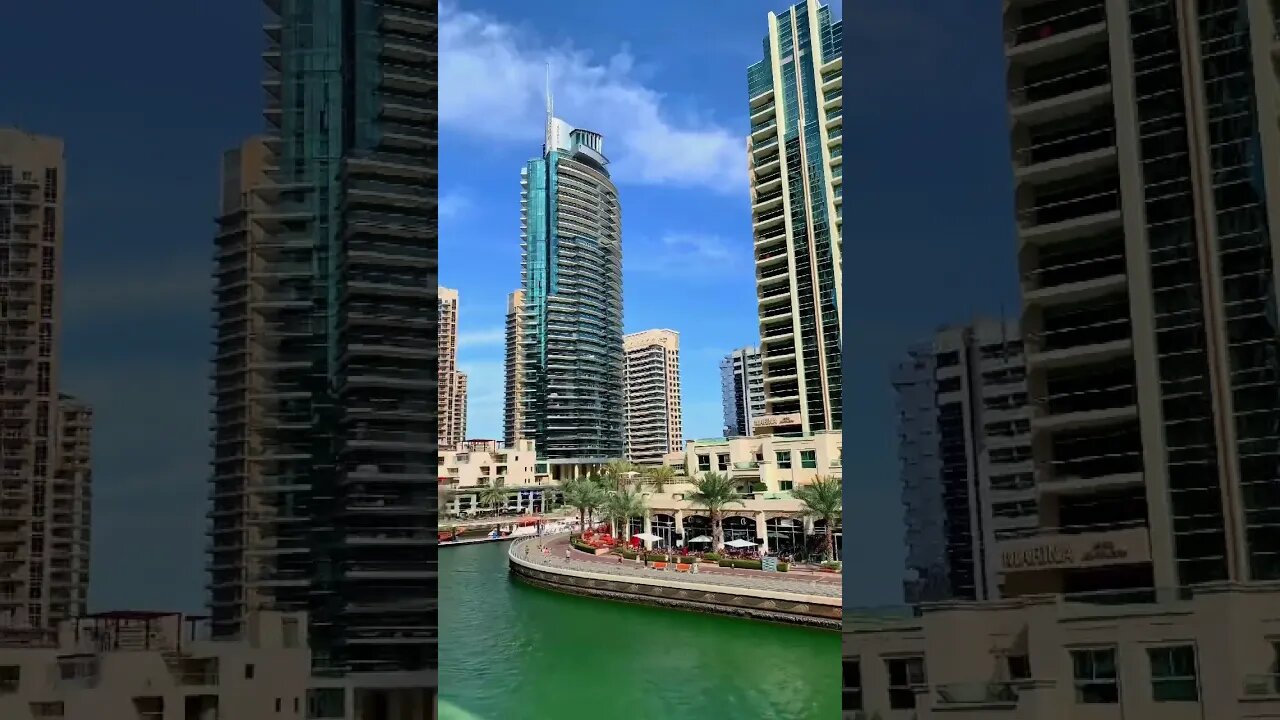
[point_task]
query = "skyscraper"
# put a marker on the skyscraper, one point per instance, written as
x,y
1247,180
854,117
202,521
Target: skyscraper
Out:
x,y
794,152
571,391
513,371
1146,160
447,354
459,418
964,457
654,426
741,390
324,474
44,473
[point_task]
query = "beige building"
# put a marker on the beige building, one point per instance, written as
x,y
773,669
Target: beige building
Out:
x,y
468,468
44,451
460,405
1209,656
512,413
452,426
654,424
131,665
766,470
796,172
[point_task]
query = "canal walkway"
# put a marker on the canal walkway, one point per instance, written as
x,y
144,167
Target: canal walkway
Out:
x,y
800,582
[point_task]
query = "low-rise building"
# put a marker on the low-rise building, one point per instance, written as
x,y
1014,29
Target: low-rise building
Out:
x,y
766,469
1213,653
469,468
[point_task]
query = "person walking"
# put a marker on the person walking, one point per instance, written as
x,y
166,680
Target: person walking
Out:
x,y
567,554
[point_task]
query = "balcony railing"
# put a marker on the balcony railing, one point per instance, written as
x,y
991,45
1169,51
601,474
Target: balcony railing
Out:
x,y
1103,398
977,693
1061,209
1066,146
1098,333
1064,19
1077,271
1059,85
1093,466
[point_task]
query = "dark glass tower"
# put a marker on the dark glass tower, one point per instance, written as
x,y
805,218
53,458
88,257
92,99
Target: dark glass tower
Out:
x,y
325,452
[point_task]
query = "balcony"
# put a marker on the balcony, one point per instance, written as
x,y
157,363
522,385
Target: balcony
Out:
x,y
1060,149
1089,461
1070,209
1054,29
1062,88
1082,335
1078,274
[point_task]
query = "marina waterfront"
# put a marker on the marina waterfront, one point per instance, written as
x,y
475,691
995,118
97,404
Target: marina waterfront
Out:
x,y
510,651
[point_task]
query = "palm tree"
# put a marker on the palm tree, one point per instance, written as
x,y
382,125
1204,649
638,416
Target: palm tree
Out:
x,y
616,472
659,477
584,495
714,491
493,496
823,500
623,505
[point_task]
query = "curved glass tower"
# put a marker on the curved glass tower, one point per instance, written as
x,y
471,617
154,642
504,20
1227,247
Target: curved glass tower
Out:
x,y
571,397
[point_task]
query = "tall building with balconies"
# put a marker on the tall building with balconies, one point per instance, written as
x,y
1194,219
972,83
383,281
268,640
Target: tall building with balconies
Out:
x,y
1147,162
451,425
741,390
324,482
513,372
795,155
460,405
654,423
964,457
571,387
44,451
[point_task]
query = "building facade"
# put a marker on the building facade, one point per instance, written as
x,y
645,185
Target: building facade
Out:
x,y
571,392
654,425
341,310
467,469
741,391
765,470
452,427
513,372
795,155
460,405
45,483
965,458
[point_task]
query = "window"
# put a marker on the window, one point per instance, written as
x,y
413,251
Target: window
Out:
x,y
1173,674
784,460
1019,667
51,185
248,671
905,676
1095,675
10,677
785,485
722,461
948,359
852,699
704,463
808,459
289,629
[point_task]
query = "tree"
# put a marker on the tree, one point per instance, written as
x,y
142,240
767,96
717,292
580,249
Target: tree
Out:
x,y
616,472
584,495
621,506
823,499
659,477
493,496
714,492
444,496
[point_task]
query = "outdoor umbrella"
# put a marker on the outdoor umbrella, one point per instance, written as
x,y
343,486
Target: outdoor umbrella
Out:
x,y
700,539
740,543
647,537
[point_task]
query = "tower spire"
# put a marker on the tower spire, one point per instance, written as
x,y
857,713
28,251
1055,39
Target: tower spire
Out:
x,y
550,107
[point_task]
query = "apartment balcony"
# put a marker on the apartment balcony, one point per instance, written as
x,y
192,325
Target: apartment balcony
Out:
x,y
1092,460
407,53
1074,548
1083,271
1060,150
761,131
1055,29
1082,335
763,107
1061,88
415,23
765,150
766,201
1069,209
1086,408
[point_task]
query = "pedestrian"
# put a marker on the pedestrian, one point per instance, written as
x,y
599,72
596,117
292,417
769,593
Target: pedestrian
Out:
x,y
567,554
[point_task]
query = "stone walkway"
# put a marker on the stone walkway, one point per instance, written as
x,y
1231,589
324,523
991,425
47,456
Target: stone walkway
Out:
x,y
808,583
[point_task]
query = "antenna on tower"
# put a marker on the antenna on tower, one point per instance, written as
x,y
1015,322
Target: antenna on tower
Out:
x,y
550,107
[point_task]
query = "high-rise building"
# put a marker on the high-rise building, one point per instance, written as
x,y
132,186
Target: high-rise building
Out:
x,y
513,369
794,152
571,389
1146,161
741,391
324,478
654,426
460,405
964,457
451,425
44,460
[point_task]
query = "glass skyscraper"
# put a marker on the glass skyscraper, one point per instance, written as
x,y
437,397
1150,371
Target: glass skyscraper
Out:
x,y
324,478
571,393
795,149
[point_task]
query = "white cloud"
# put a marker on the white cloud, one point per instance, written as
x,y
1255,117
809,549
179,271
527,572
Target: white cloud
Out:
x,y
481,338
492,86
690,254
453,204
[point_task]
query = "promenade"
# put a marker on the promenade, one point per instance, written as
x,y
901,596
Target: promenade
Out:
x,y
818,584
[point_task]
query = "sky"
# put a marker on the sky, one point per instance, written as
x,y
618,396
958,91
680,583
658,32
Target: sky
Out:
x,y
146,111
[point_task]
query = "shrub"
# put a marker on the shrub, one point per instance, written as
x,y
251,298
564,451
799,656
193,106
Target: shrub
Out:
x,y
751,564
832,565
580,545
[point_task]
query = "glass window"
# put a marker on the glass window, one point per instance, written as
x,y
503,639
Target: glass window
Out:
x,y
784,460
704,463
906,675
722,461
1095,675
1173,674
808,459
852,685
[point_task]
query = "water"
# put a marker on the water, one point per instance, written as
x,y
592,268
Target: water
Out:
x,y
513,652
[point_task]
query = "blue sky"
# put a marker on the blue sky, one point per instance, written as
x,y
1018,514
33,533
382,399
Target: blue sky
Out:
x,y
670,100
146,110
